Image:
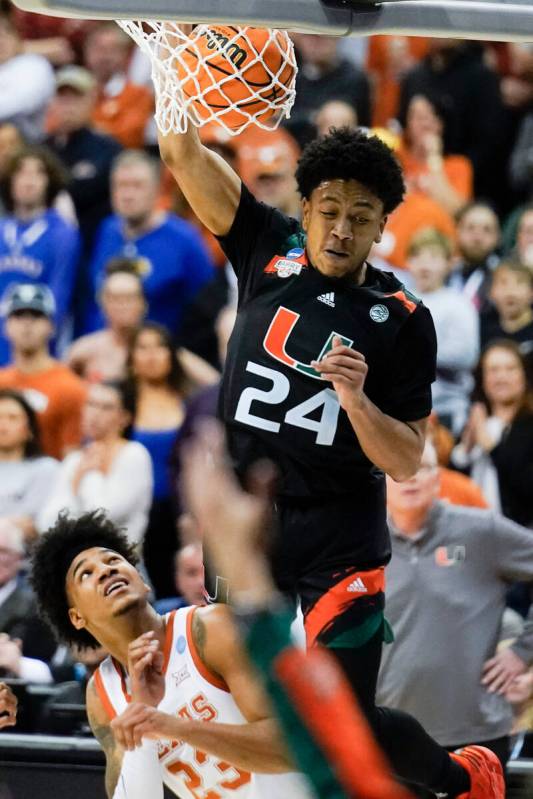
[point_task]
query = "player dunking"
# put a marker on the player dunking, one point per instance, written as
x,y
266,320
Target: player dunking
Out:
x,y
189,665
328,374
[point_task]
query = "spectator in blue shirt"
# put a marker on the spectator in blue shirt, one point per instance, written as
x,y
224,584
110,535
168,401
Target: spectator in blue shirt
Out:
x,y
172,259
37,245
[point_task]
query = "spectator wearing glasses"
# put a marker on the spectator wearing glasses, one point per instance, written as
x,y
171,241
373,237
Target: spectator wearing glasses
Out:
x,y
52,389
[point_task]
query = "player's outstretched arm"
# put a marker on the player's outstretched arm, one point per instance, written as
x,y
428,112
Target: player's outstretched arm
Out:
x,y
210,185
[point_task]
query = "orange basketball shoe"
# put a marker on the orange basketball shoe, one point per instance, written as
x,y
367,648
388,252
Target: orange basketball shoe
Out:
x,y
485,770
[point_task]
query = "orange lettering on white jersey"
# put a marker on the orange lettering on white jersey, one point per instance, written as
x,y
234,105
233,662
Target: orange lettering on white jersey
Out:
x,y
193,692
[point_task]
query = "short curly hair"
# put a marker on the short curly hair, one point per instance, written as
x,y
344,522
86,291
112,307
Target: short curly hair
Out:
x,y
51,559
346,154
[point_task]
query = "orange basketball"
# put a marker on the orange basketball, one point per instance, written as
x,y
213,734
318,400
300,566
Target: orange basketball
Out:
x,y
236,73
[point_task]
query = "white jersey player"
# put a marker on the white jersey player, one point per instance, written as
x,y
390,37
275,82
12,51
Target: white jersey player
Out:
x,y
194,692
176,702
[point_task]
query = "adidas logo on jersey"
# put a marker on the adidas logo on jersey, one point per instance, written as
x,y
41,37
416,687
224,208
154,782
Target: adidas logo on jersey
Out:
x,y
328,299
357,586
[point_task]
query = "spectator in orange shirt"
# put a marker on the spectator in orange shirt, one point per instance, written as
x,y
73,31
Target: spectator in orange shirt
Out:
x,y
52,389
122,109
416,212
428,168
459,489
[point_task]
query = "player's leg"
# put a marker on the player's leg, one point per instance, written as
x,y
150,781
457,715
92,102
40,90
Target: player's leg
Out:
x,y
344,610
352,626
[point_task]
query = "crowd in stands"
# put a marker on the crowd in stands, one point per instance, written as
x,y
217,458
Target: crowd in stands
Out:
x,y
117,304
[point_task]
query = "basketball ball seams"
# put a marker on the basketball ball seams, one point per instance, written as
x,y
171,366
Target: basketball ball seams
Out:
x,y
235,75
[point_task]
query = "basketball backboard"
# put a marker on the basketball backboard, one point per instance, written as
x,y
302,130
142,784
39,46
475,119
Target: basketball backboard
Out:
x,y
500,20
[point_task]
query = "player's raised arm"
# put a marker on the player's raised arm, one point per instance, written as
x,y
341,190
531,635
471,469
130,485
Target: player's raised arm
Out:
x,y
209,184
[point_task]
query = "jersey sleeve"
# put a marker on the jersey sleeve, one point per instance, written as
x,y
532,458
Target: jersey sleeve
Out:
x,y
414,366
258,232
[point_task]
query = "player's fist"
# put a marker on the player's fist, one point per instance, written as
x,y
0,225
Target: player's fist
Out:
x,y
347,370
145,667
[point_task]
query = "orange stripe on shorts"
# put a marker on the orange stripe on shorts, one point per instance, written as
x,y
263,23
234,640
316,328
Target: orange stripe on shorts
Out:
x,y
339,598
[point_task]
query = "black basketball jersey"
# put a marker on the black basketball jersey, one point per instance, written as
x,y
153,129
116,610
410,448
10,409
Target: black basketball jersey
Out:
x,y
274,404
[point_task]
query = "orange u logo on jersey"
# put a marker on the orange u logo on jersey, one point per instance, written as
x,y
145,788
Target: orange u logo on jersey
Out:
x,y
278,334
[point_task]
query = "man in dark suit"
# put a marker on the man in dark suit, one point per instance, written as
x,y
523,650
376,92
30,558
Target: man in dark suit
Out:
x,y
26,643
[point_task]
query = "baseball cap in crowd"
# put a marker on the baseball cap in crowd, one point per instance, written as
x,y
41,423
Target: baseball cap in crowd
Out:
x,y
29,297
267,153
77,78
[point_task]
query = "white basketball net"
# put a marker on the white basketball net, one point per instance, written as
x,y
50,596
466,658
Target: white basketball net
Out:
x,y
178,63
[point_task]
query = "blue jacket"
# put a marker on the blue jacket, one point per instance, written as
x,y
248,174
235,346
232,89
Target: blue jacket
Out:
x,y
43,250
173,262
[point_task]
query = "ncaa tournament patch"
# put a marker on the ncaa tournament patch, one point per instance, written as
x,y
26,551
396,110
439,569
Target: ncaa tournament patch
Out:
x,y
296,252
287,265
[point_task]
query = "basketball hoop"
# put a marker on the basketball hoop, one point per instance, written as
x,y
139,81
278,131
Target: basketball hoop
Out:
x,y
234,76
